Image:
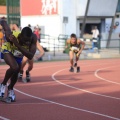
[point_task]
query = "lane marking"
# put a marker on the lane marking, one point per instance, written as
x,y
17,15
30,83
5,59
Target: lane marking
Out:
x,y
3,118
103,115
53,77
67,106
96,74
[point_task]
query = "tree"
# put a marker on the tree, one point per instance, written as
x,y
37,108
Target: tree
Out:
x,y
2,2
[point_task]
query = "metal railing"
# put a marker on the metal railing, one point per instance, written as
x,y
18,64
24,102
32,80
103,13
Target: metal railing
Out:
x,y
56,44
53,44
114,44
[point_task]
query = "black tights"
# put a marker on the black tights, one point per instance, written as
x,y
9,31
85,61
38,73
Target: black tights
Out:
x,y
12,72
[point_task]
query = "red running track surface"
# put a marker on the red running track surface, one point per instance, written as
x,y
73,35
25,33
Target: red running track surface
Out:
x,y
54,93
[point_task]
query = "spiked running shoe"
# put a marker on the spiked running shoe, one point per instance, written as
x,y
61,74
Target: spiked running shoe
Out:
x,y
28,76
71,69
2,91
75,65
78,69
10,97
20,76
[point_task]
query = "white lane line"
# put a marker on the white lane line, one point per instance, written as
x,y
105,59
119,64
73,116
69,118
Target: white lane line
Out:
x,y
96,74
53,77
3,118
67,106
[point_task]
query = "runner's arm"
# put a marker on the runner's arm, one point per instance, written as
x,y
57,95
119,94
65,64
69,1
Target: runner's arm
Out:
x,y
82,47
41,50
67,42
6,29
32,48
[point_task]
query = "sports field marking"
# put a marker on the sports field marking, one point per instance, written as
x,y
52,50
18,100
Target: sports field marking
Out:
x,y
67,106
3,118
53,77
91,112
96,74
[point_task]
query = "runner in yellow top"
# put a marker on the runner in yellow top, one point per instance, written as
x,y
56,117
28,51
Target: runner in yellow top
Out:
x,y
17,46
76,47
1,37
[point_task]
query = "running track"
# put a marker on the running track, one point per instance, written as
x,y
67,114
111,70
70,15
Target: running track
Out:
x,y
56,94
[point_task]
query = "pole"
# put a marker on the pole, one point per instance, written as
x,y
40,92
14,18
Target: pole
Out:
x,y
110,32
111,28
54,46
119,46
84,20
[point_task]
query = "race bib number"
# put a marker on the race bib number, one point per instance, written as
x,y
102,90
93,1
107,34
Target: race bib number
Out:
x,y
75,49
18,54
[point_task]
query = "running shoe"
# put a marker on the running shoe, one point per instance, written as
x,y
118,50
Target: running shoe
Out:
x,y
20,76
10,97
28,76
78,69
2,91
75,65
71,69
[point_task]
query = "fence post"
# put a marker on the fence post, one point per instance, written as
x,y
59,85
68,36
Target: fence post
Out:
x,y
54,46
93,45
119,46
99,44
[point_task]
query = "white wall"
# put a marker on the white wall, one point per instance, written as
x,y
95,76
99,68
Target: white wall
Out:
x,y
108,24
72,9
102,7
69,10
81,7
51,23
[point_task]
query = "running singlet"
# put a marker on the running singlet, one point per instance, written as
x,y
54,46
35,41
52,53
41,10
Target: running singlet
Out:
x,y
75,47
9,48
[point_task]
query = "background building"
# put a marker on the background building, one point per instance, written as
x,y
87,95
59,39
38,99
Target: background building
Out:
x,y
62,16
57,17
66,16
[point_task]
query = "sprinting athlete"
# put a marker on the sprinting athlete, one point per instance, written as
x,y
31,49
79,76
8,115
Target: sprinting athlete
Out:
x,y
18,44
76,47
30,65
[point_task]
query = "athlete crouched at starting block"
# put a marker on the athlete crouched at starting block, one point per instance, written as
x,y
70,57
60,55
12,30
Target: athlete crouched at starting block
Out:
x,y
18,45
76,47
30,64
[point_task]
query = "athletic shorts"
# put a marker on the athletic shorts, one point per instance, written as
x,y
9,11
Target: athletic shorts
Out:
x,y
18,60
74,49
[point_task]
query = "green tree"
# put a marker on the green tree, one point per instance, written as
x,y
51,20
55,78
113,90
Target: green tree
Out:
x,y
2,2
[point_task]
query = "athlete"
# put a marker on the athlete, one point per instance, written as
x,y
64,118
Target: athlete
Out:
x,y
18,44
76,47
25,60
1,37
30,65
